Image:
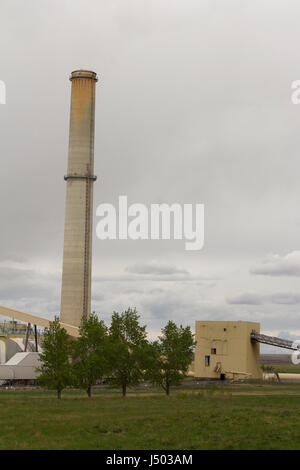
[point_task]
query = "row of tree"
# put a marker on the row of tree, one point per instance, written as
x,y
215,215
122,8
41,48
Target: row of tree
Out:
x,y
121,354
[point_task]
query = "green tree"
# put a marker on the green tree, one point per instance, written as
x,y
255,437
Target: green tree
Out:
x,y
89,353
55,370
127,349
170,356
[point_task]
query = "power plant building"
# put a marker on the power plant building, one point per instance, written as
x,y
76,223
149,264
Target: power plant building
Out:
x,y
224,349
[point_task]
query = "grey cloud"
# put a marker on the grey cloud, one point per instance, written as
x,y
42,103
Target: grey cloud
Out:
x,y
245,299
133,291
12,258
29,290
158,303
288,335
22,283
97,297
155,268
280,298
157,290
277,265
155,278
285,298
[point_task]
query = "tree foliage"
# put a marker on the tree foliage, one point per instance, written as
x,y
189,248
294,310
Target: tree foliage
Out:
x,y
55,370
90,353
170,356
121,354
127,349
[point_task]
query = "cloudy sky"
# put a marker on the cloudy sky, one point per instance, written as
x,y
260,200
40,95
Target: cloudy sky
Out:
x,y
193,106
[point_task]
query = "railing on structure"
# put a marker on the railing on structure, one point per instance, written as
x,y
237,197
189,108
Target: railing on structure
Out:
x,y
10,330
272,340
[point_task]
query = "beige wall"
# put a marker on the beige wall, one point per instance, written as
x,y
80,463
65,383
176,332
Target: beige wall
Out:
x,y
235,352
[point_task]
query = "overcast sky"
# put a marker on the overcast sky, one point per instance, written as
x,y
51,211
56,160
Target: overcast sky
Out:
x,y
193,106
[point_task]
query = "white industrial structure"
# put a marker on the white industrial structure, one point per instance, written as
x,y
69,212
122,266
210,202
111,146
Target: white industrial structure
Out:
x,y
22,366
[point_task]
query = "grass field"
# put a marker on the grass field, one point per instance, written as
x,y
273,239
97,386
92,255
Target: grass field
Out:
x,y
227,417
287,368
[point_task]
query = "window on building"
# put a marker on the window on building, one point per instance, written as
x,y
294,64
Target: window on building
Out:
x,y
207,361
225,329
213,351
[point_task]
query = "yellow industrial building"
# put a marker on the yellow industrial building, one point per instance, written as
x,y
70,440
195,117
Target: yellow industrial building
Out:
x,y
224,349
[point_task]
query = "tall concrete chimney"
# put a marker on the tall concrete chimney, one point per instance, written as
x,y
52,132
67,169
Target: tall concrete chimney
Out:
x,y
77,258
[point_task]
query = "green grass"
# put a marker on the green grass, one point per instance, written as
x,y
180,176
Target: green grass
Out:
x,y
287,368
242,416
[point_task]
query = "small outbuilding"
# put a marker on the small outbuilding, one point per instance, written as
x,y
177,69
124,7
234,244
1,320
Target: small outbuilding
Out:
x,y
224,350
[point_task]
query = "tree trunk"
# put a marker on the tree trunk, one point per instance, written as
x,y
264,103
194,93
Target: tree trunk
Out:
x,y
58,394
89,391
124,390
167,389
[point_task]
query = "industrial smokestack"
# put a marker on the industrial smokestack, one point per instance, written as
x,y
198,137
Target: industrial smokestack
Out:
x,y
77,258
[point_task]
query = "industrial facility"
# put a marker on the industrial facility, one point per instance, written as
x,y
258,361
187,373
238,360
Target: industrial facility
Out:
x,y
224,349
